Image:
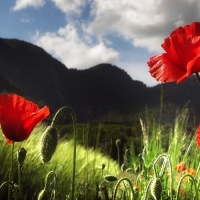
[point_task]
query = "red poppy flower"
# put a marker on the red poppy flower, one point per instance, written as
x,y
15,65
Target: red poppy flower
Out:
x,y
191,171
180,166
182,57
19,116
198,136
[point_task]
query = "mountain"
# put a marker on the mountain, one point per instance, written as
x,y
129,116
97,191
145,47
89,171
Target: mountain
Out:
x,y
28,70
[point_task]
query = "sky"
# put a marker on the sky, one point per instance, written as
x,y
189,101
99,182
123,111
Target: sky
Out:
x,y
84,33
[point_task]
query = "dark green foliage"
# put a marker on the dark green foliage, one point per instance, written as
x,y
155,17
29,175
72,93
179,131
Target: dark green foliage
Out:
x,y
7,86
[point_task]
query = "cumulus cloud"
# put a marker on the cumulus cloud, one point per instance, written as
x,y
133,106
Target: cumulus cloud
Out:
x,y
22,4
75,52
144,23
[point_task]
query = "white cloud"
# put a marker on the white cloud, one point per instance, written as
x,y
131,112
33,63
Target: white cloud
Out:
x,y
69,6
68,46
144,23
22,4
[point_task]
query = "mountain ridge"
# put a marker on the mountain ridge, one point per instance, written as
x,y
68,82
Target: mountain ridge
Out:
x,y
101,89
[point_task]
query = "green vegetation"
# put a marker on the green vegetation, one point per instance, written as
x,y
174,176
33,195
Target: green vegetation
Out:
x,y
88,161
128,142
148,163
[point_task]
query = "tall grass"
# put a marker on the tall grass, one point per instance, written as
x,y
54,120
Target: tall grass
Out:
x,y
152,173
88,162
155,169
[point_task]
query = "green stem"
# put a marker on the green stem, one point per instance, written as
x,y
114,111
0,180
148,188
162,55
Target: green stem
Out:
x,y
11,171
198,77
74,153
147,189
20,181
118,183
10,184
118,156
55,118
163,168
193,181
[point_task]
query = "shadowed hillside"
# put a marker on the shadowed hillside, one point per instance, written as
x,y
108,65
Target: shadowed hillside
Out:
x,y
99,90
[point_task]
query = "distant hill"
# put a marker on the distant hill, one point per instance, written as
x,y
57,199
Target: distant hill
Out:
x,y
28,70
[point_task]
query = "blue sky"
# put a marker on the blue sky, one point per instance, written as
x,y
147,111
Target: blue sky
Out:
x,y
84,33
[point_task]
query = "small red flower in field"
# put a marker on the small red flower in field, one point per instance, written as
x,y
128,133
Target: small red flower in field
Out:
x,y
19,116
198,136
182,57
191,171
180,167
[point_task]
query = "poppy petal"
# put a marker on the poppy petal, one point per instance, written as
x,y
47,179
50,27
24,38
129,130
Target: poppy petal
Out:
x,y
29,124
193,65
198,136
19,116
182,55
192,29
181,49
162,69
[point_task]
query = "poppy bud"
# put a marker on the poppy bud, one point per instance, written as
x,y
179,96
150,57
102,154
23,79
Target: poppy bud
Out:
x,y
110,178
21,155
48,144
156,188
103,166
49,180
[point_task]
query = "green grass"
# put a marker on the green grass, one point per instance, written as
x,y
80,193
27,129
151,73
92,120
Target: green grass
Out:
x,y
149,163
88,162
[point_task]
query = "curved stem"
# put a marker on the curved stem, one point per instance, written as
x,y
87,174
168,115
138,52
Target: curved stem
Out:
x,y
117,185
20,181
11,171
13,187
194,182
55,118
163,168
74,151
198,76
146,192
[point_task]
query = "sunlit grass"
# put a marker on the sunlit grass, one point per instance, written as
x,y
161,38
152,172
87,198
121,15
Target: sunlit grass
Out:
x,y
99,177
88,163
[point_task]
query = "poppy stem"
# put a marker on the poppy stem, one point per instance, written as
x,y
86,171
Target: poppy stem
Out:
x,y
53,124
20,181
74,153
198,76
11,171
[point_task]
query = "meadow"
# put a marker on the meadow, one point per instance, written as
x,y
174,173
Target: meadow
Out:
x,y
166,168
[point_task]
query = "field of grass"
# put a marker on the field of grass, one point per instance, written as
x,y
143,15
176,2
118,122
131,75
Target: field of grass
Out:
x,y
162,164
